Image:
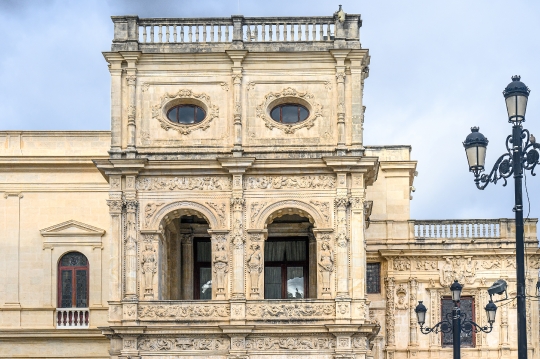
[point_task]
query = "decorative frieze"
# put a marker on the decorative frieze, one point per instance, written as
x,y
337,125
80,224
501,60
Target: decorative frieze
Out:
x,y
289,311
183,343
324,208
290,343
290,182
183,183
219,209
149,211
167,312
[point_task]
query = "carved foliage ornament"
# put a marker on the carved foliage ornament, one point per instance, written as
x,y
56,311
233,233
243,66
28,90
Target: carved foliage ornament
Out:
x,y
166,344
286,311
184,96
290,182
183,183
290,343
177,312
289,95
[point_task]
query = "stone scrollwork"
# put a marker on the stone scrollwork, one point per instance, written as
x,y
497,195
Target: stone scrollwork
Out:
x,y
288,311
402,263
324,208
149,211
290,182
401,292
172,312
184,96
461,268
183,183
289,343
289,95
256,209
168,344
220,211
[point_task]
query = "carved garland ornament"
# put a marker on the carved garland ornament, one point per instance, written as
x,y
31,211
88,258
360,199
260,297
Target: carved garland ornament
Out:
x,y
184,96
289,95
287,311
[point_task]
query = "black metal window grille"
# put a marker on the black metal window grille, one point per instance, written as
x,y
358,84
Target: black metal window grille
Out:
x,y
373,278
467,307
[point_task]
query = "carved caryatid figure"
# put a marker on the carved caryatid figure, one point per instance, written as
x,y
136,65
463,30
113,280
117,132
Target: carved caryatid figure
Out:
x,y
326,263
149,267
254,265
447,272
220,266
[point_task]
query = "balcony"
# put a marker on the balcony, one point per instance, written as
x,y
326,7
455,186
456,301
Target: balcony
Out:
x,y
72,318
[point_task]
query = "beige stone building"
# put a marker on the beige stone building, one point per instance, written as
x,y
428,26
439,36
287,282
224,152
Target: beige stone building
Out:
x,y
235,211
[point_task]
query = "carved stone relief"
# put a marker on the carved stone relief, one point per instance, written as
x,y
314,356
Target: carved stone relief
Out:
x,y
402,263
326,264
183,343
289,343
149,268
159,111
256,208
324,209
183,183
290,182
221,265
289,95
219,209
390,311
254,268
149,211
286,311
171,312
461,268
401,293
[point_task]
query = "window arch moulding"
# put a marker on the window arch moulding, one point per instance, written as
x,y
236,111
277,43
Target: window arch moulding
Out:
x,y
184,97
286,96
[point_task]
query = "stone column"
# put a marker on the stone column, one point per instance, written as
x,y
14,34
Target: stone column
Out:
x,y
130,250
339,56
237,56
187,265
237,241
359,72
131,78
115,68
358,241
389,283
342,247
413,290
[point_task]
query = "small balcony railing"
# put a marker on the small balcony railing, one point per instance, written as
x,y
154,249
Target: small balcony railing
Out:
x,y
69,318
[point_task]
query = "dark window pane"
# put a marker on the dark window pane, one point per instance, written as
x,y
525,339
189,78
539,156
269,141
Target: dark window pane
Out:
x,y
199,114
73,259
466,305
272,283
172,115
295,250
303,113
289,114
274,251
81,283
373,274
186,114
275,114
205,275
67,288
295,282
204,250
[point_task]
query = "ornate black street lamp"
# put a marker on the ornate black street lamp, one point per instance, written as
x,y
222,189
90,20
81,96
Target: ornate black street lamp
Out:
x,y
456,322
523,153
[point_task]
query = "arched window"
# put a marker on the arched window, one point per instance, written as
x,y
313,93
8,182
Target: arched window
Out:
x,y
73,281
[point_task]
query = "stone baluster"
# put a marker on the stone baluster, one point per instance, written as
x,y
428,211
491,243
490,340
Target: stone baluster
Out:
x,y
263,32
212,34
190,33
175,33
204,33
167,34
219,38
144,34
277,32
130,249
160,33
182,38
151,33
227,33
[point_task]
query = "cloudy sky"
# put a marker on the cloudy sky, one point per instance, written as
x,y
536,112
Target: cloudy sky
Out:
x,y
437,68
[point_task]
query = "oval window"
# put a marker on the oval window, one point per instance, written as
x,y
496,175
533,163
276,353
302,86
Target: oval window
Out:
x,y
186,114
289,113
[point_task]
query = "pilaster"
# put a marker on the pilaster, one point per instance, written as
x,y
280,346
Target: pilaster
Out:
x,y
339,56
131,78
237,56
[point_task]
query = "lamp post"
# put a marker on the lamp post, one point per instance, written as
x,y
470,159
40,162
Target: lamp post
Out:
x,y
456,322
523,153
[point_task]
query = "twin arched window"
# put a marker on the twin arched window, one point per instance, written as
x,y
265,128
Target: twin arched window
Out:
x,y
73,281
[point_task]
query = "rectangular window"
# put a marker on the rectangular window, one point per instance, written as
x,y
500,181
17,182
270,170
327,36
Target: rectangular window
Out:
x,y
373,278
203,272
285,268
466,304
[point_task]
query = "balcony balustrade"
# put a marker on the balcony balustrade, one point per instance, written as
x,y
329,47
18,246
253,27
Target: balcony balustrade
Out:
x,y
462,229
72,318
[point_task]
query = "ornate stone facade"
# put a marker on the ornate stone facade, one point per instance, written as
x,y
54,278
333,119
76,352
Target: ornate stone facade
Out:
x,y
185,225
